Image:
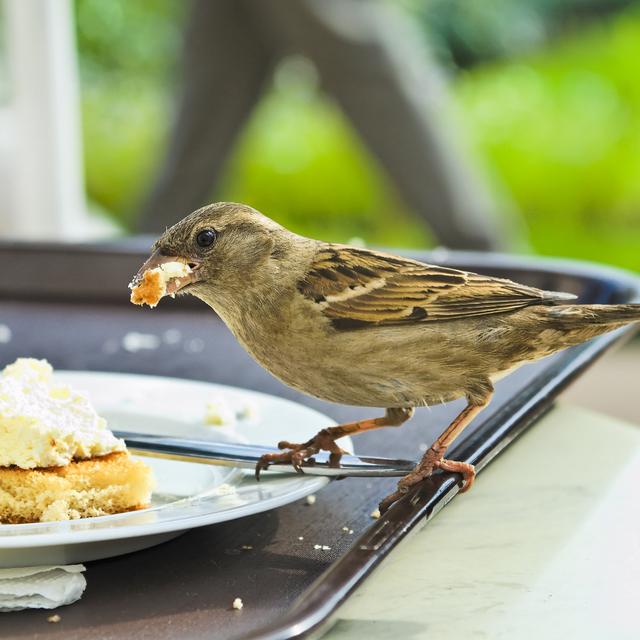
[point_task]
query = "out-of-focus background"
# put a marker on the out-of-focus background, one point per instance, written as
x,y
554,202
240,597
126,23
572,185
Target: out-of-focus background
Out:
x,y
503,124
543,98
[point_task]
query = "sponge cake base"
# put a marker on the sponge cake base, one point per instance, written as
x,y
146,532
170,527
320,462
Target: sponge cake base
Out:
x,y
98,486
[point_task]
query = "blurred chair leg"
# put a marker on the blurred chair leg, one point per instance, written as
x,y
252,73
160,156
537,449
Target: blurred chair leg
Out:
x,y
224,69
370,60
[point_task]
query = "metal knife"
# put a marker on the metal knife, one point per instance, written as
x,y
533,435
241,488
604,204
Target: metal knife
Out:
x,y
247,455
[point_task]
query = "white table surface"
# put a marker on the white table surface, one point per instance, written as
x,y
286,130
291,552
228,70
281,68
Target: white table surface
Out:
x,y
545,545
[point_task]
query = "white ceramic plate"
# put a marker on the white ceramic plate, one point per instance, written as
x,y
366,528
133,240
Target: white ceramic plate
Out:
x,y
187,495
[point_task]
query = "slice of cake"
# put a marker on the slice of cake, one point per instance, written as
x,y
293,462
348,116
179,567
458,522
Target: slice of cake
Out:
x,y
156,283
99,486
58,459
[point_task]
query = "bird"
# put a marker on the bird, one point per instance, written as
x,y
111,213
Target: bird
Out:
x,y
360,327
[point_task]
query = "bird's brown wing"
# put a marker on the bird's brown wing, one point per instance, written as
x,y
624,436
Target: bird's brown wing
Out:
x,y
356,288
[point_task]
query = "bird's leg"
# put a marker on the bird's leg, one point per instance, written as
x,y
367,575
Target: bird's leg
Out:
x,y
296,454
434,458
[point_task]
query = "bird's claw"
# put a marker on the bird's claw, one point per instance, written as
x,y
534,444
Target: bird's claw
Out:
x,y
466,470
299,454
296,455
431,461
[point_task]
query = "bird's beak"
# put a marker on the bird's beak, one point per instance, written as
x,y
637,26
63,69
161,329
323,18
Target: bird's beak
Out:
x,y
175,284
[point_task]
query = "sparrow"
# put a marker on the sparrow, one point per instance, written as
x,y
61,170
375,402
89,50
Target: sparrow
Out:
x,y
360,327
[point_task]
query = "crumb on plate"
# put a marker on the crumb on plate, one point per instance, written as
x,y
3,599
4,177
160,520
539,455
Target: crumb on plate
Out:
x,y
225,489
248,410
218,413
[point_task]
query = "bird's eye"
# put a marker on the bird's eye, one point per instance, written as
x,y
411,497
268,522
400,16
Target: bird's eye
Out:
x,y
206,238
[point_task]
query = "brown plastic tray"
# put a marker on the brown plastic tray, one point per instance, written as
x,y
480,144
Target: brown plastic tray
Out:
x,y
69,304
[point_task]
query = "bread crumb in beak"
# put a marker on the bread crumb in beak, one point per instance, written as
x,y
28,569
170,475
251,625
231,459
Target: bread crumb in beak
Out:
x,y
155,281
237,604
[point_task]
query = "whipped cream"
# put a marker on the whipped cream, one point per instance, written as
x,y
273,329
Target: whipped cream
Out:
x,y
46,424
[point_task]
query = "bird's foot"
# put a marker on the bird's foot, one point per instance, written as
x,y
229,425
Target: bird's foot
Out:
x,y
432,460
297,454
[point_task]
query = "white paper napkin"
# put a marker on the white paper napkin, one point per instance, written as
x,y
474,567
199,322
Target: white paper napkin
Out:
x,y
40,587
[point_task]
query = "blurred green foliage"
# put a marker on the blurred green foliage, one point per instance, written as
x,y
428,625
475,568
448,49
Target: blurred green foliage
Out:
x,y
562,130
464,33
558,131
128,55
130,38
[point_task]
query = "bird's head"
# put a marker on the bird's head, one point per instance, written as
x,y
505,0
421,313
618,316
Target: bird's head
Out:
x,y
226,245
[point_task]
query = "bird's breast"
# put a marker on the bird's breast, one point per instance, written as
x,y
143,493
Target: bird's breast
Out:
x,y
367,368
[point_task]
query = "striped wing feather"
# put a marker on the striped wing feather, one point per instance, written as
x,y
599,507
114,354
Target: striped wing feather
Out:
x,y
357,288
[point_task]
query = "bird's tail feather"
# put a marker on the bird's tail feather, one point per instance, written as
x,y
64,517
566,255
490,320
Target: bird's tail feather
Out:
x,y
607,314
577,323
